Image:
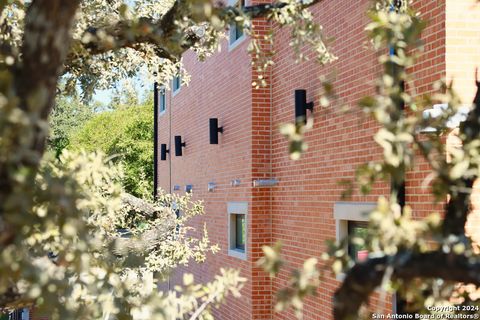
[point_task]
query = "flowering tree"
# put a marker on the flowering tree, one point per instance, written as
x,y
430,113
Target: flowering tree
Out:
x,y
60,221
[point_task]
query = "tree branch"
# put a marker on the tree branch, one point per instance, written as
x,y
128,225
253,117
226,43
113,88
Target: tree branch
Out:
x,y
162,33
364,278
123,246
129,34
458,207
138,204
34,81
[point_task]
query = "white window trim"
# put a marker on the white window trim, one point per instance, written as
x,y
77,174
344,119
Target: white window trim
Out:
x,y
162,112
349,211
232,209
25,315
236,43
175,92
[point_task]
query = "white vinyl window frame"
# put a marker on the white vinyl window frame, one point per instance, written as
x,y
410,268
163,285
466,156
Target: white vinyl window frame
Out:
x,y
343,212
234,209
25,314
176,89
233,29
162,100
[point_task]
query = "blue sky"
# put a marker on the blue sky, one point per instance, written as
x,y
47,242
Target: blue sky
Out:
x,y
103,96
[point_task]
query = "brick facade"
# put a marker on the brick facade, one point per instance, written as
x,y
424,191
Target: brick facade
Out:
x,y
298,211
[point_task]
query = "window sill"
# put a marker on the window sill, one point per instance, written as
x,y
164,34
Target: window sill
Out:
x,y
174,93
240,254
236,43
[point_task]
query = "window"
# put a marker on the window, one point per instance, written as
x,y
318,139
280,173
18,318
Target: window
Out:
x,y
351,221
357,229
240,232
18,314
162,100
237,227
236,34
25,314
177,84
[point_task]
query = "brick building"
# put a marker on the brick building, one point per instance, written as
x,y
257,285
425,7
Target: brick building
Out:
x,y
302,208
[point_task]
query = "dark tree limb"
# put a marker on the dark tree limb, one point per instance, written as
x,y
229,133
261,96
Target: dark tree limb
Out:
x,y
143,243
458,207
34,80
163,32
45,47
139,205
364,278
140,244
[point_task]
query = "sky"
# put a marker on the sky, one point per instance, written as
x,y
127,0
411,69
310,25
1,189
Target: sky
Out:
x,y
103,96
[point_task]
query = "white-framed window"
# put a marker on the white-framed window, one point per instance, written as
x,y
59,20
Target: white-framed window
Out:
x,y
237,229
25,314
236,33
177,84
357,229
162,100
351,220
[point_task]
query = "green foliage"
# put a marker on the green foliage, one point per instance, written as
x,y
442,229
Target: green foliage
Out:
x,y
127,136
68,115
303,282
72,252
60,246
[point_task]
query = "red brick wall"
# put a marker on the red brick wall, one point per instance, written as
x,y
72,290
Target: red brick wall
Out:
x,y
220,88
303,202
430,67
299,210
261,206
37,315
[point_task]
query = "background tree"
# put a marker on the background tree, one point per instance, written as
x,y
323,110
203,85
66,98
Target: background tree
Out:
x,y
125,95
68,115
125,134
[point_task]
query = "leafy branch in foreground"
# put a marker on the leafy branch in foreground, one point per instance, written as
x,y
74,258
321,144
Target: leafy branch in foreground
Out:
x,y
92,250
59,239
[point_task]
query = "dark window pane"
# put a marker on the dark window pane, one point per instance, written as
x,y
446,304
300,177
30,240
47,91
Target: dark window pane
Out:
x,y
240,232
162,100
176,83
357,229
238,30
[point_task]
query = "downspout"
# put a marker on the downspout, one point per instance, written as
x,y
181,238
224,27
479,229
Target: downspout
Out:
x,y
155,145
170,106
155,140
397,187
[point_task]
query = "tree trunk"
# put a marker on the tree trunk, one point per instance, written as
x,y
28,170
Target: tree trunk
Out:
x,y
31,96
